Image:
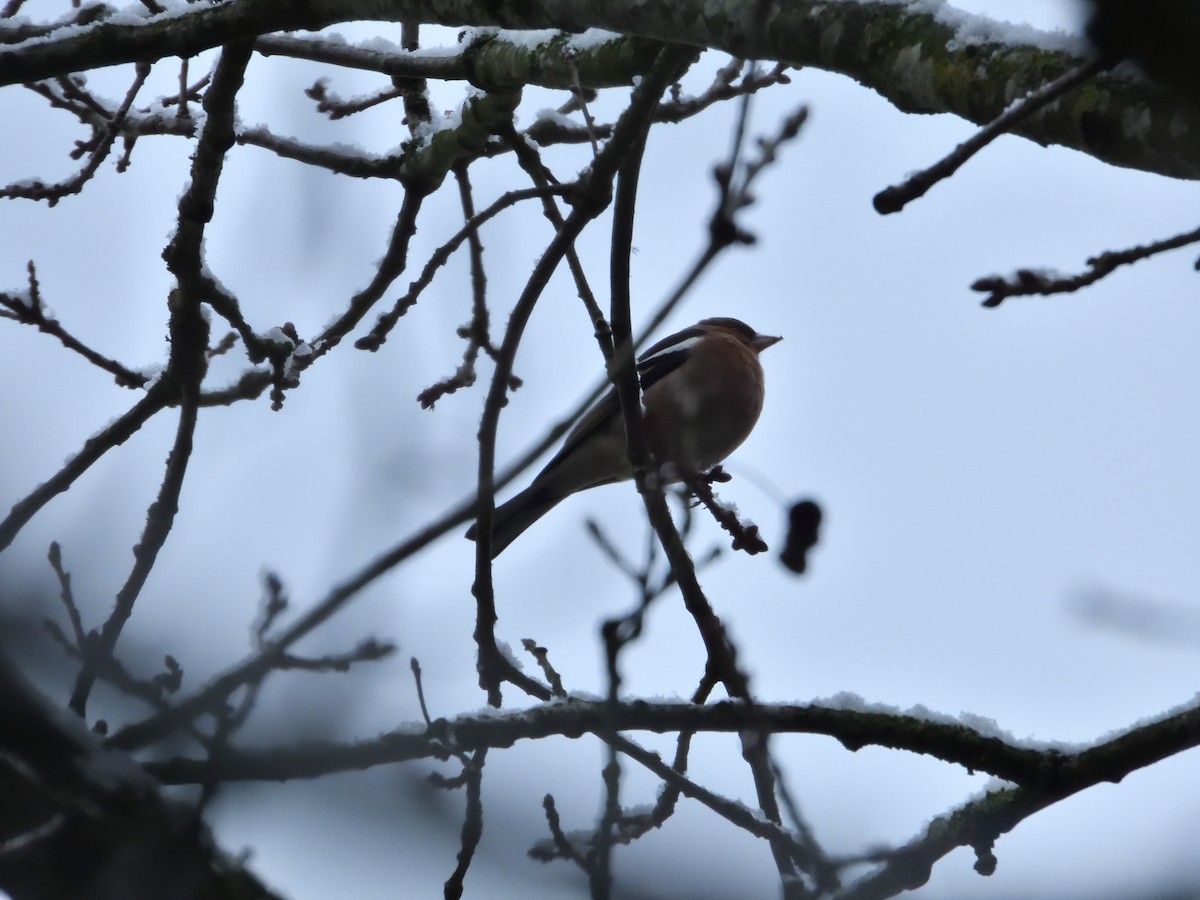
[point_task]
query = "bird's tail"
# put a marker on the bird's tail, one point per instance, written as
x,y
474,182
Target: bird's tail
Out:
x,y
513,517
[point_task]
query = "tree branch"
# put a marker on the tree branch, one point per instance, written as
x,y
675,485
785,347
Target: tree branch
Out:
x,y
917,60
1050,769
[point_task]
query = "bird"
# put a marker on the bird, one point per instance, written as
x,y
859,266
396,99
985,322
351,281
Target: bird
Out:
x,y
702,393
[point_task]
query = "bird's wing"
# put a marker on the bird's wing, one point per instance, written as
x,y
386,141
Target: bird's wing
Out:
x,y
655,364
667,355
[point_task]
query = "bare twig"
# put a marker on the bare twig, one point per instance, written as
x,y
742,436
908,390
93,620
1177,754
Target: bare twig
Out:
x,y
378,335
159,519
29,310
1027,282
337,108
67,597
732,811
472,828
275,604
394,263
160,395
894,199
581,101
415,666
477,333
100,145
562,843
367,650
542,656
334,160
745,534
530,161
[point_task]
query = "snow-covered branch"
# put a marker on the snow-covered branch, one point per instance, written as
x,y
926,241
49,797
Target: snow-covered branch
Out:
x,y
922,56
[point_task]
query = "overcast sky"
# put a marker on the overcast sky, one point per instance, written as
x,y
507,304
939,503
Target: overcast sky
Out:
x,y
1010,494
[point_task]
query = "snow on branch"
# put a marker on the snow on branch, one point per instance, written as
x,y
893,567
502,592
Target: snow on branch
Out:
x,y
923,56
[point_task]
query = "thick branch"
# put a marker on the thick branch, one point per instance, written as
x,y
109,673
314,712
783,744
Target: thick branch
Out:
x,y
1048,770
489,61
914,59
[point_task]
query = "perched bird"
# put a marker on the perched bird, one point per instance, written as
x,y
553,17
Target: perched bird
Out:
x,y
702,391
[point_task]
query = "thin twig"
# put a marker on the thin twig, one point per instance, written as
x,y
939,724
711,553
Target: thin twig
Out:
x,y
581,99
415,666
477,332
337,108
102,142
566,849
159,519
472,828
386,322
67,597
542,656
367,650
160,395
745,534
530,161
894,199
394,262
30,310
1027,282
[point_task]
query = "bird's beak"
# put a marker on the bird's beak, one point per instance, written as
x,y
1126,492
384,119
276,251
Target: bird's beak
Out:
x,y
761,342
